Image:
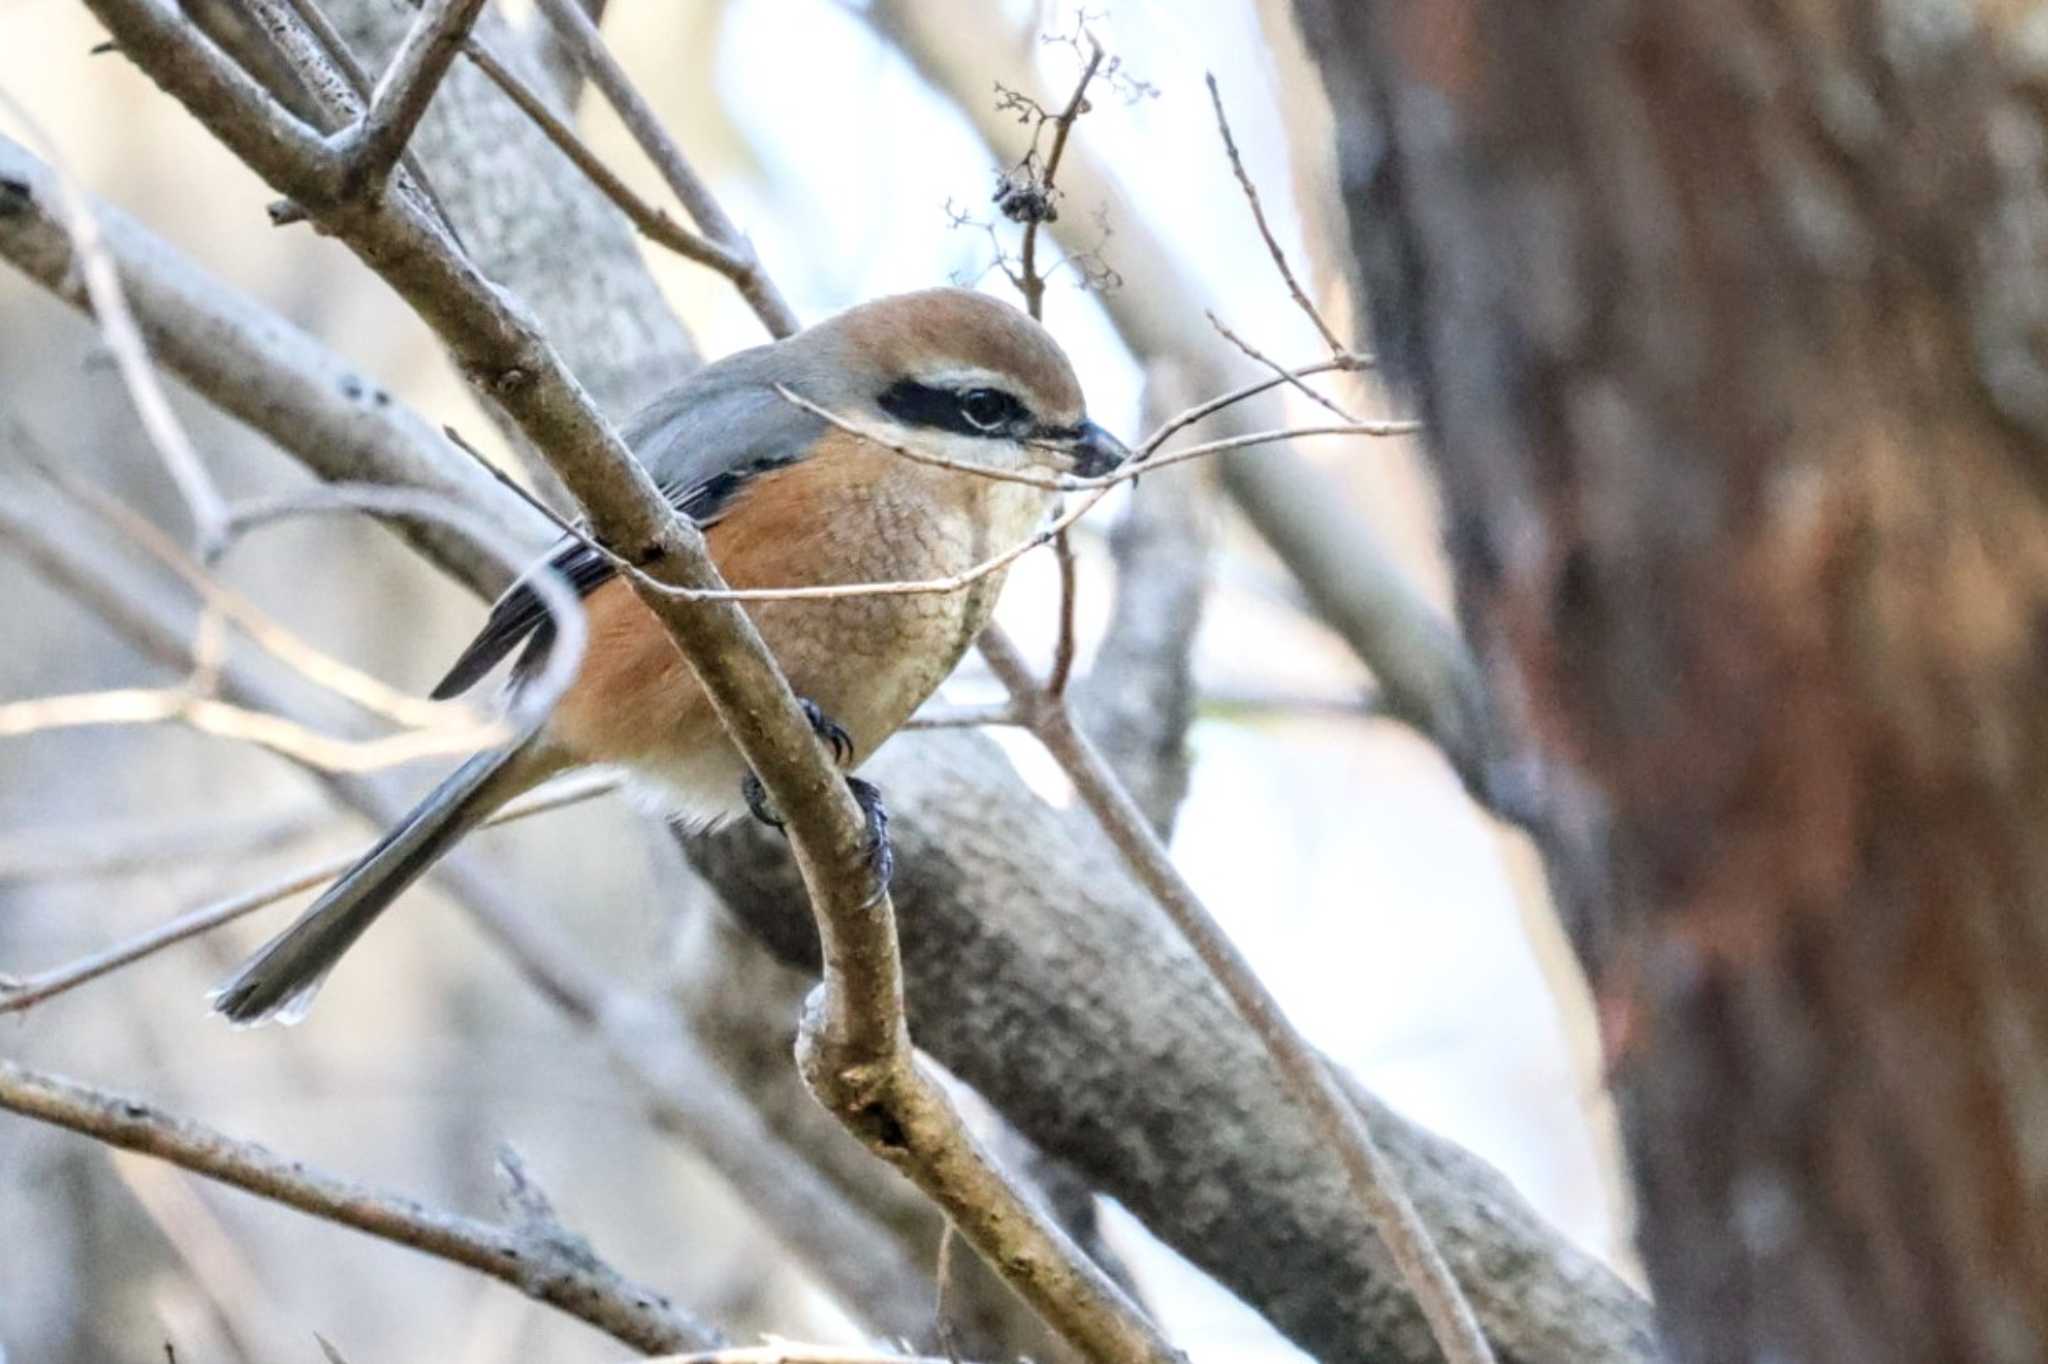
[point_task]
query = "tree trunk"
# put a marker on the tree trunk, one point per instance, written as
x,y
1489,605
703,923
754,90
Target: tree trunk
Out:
x,y
1728,321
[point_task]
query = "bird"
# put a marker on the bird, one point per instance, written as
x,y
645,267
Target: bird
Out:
x,y
784,498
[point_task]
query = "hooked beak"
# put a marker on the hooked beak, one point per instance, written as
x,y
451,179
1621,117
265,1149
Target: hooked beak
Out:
x,y
1095,451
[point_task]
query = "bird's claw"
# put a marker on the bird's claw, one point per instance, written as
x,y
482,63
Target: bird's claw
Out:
x,y
829,731
881,852
756,797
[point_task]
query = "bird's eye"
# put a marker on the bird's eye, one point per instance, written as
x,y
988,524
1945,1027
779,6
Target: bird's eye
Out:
x,y
989,409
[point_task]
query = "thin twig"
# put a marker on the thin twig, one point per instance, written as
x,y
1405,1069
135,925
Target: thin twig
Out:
x,y
964,717
1144,458
373,144
1029,282
511,484
652,222
104,849
17,993
942,1288
287,647
225,720
1299,384
1373,1183
344,57
1251,194
1063,643
531,703
536,1265
1232,397
194,706
580,36
95,265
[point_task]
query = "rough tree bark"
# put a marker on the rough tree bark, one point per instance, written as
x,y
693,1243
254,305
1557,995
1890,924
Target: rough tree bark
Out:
x,y
1729,321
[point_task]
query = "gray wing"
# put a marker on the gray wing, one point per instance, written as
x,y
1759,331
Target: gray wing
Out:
x,y
704,442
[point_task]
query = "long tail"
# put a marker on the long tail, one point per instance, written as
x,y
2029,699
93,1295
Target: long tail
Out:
x,y
279,982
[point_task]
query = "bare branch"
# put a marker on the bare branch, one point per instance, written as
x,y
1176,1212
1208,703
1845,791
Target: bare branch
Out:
x,y
97,849
259,368
102,281
1143,460
1373,1181
1251,194
1063,644
224,720
1138,699
1293,380
964,717
331,41
286,646
651,222
537,1265
19,992
1028,280
372,145
579,34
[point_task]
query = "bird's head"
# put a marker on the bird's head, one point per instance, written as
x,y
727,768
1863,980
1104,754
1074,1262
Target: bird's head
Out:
x,y
958,373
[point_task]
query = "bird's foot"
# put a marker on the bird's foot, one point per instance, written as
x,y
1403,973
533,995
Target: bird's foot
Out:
x,y
830,733
756,797
881,852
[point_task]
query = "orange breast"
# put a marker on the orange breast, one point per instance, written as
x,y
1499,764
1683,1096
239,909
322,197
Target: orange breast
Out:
x,y
850,513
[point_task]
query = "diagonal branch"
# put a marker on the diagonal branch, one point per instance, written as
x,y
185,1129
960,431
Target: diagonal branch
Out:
x,y
372,145
578,33
1373,1181
101,282
540,1265
255,366
650,221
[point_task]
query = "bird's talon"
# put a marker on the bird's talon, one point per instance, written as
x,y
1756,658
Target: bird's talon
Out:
x,y
881,852
830,731
756,797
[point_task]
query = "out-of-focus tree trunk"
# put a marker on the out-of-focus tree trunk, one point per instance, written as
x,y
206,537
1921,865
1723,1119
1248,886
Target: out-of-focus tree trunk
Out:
x,y
1729,322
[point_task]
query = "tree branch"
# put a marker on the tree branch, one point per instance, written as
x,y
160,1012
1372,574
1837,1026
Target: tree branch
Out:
x,y
578,33
373,144
1137,700
540,1263
1373,1181
308,399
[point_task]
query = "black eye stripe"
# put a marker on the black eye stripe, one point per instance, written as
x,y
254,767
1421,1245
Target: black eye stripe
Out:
x,y
943,409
